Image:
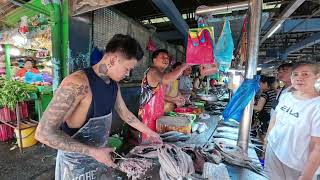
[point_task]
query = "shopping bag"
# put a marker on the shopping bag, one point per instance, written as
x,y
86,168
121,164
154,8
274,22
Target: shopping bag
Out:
x,y
224,48
200,46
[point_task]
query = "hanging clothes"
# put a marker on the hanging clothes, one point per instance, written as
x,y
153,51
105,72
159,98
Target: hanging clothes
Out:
x,y
151,104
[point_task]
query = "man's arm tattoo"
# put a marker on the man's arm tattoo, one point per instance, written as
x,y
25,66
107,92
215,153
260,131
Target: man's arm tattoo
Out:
x,y
124,113
61,104
132,119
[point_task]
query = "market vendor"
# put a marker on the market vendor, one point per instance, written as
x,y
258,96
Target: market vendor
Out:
x,y
77,122
153,88
173,98
28,67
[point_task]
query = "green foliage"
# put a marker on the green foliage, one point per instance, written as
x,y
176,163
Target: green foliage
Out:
x,y
12,92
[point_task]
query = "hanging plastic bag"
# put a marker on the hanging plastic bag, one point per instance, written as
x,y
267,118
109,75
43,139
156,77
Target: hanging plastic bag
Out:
x,y
241,99
224,48
200,46
151,46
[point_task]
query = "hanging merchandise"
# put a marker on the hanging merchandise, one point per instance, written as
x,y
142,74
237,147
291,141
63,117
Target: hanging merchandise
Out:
x,y
23,28
151,46
200,45
224,48
244,43
241,99
31,78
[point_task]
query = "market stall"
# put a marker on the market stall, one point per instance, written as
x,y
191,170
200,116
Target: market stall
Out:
x,y
208,143
197,140
25,63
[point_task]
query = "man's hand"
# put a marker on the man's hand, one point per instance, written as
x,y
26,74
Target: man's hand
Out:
x,y
179,101
103,155
303,177
208,69
184,66
154,137
265,143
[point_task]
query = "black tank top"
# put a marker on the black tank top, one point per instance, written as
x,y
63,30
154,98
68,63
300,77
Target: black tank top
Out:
x,y
103,99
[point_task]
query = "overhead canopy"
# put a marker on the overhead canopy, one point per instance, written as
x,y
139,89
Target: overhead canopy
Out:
x,y
20,8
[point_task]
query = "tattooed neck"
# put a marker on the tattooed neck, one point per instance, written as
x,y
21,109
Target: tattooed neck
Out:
x,y
103,71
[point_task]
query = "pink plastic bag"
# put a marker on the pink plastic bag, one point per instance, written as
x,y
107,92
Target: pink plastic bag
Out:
x,y
3,133
151,46
6,114
200,46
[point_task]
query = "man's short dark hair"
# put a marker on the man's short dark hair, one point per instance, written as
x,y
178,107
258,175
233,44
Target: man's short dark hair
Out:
x,y
285,65
126,45
267,79
157,52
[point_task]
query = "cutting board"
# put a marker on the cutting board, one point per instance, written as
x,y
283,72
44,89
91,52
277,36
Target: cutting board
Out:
x,y
168,123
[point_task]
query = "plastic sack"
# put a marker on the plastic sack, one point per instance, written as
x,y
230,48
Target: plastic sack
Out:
x,y
72,165
32,78
6,133
213,171
224,48
241,99
200,46
47,78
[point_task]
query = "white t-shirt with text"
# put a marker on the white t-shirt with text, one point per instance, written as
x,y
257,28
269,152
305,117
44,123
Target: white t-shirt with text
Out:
x,y
296,121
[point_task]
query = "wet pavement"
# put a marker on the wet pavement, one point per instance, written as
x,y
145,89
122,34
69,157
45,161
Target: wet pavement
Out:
x,y
36,162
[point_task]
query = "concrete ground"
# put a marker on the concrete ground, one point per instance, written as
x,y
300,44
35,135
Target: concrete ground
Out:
x,y
36,162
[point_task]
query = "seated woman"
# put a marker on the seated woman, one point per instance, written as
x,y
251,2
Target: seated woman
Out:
x,y
293,138
264,105
28,67
173,97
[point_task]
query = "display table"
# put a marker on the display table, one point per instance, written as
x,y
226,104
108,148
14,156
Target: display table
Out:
x,y
45,94
235,172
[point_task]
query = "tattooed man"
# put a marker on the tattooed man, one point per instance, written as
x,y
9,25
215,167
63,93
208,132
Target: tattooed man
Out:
x,y
78,119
